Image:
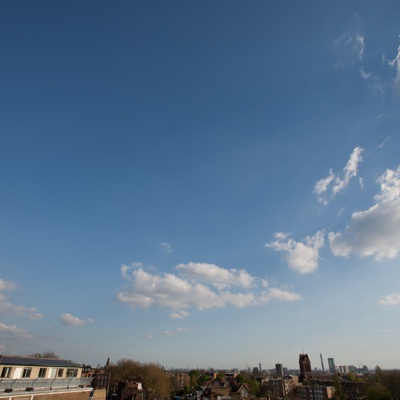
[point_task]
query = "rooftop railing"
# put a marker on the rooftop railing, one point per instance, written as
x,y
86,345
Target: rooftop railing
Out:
x,y
12,385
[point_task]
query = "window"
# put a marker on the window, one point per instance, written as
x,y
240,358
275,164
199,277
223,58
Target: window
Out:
x,y
60,372
6,373
42,372
27,372
72,372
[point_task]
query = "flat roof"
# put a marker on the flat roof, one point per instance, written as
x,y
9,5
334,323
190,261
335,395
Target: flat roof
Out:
x,y
37,362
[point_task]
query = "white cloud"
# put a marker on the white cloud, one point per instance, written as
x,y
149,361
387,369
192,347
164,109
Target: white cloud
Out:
x,y
279,294
7,308
322,186
376,231
333,184
6,285
303,256
166,248
69,320
391,299
220,277
201,286
280,235
19,310
14,331
179,314
264,283
395,63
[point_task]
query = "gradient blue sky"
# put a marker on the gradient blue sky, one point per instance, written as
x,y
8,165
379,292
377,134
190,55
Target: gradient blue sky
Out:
x,y
200,183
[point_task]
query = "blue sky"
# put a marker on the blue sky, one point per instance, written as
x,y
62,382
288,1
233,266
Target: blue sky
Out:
x,y
200,184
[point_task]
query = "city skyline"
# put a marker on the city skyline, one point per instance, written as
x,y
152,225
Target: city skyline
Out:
x,y
200,183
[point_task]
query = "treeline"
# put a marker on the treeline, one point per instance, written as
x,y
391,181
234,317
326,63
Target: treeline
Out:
x,y
155,379
384,385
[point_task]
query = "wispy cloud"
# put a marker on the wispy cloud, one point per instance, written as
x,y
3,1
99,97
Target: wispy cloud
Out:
x,y
374,82
395,63
194,285
165,247
175,332
302,256
352,45
69,320
359,46
179,314
376,231
7,308
329,187
377,83
383,144
390,300
14,331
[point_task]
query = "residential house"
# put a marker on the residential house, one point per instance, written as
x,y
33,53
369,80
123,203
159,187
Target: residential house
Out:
x,y
315,392
42,377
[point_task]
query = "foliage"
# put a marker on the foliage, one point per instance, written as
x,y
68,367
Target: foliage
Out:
x,y
194,377
339,390
392,382
385,379
240,378
203,378
220,376
45,354
254,387
378,392
351,377
155,380
378,374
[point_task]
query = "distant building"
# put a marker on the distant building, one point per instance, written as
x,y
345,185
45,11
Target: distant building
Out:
x,y
315,392
181,379
322,363
343,369
130,389
305,367
281,387
331,364
279,370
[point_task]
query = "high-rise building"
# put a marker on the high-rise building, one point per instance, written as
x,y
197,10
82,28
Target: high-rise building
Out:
x,y
331,363
322,362
279,369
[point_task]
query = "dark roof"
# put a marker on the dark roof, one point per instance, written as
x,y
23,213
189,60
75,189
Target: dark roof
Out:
x,y
37,362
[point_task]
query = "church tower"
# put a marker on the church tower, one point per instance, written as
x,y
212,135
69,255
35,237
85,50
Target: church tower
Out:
x,y
305,367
